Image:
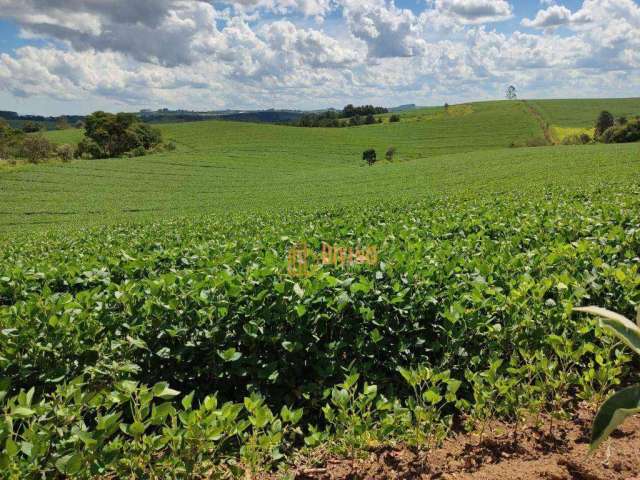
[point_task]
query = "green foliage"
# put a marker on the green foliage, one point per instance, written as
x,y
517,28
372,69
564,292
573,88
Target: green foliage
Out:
x,y
185,346
66,152
31,127
36,148
627,133
109,135
626,402
364,110
390,154
575,139
332,118
580,113
369,156
394,118
605,121
133,430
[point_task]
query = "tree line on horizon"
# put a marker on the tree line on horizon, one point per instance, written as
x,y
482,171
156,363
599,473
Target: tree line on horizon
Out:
x,y
349,116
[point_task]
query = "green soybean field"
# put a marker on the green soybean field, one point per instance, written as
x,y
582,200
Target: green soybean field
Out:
x,y
152,325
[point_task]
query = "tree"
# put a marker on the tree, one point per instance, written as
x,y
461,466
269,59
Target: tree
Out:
x,y
370,120
446,106
36,148
114,135
30,127
391,152
355,121
62,123
622,121
66,152
394,118
369,156
5,129
605,121
512,93
364,110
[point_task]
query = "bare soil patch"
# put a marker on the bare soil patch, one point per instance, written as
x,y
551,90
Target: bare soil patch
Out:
x,y
560,452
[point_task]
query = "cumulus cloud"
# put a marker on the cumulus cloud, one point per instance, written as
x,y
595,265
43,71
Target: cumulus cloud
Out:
x,y
308,8
160,31
554,16
264,53
386,30
476,11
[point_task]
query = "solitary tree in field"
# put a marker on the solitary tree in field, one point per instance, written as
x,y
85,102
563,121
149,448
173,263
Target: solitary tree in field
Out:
x,y
512,93
605,121
369,156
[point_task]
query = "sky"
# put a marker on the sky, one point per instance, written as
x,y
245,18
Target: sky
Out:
x,y
77,56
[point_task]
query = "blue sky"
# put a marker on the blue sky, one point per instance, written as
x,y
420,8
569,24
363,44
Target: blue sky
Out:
x,y
77,56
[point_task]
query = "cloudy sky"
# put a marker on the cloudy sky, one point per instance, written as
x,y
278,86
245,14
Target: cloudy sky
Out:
x,y
76,56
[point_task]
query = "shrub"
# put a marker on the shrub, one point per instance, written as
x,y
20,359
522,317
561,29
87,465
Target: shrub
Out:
x,y
30,127
88,148
369,156
531,142
622,134
36,148
136,152
5,128
605,121
394,118
66,152
581,139
391,152
62,124
355,121
537,142
622,121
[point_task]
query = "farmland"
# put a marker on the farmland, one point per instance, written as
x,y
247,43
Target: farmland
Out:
x,y
149,320
573,117
226,166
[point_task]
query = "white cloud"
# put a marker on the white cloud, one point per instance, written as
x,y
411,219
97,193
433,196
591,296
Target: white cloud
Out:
x,y
308,8
475,11
387,31
270,53
554,16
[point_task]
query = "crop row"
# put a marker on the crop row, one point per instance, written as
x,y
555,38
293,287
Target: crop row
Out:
x,y
480,290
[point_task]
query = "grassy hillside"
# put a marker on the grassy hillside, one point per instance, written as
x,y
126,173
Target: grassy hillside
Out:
x,y
222,166
70,135
577,115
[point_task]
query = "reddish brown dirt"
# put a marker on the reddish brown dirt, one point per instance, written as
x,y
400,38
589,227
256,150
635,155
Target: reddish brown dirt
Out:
x,y
536,453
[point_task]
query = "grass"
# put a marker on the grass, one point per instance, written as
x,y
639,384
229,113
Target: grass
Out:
x,y
582,114
226,166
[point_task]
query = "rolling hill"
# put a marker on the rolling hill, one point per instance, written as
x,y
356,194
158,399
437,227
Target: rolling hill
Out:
x,y
225,166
